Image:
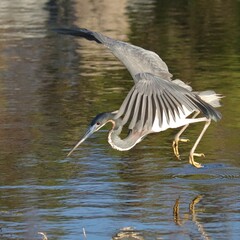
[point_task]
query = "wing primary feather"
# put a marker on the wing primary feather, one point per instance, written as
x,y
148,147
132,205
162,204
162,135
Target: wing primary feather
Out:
x,y
186,103
206,108
124,106
129,107
159,109
140,108
180,94
145,116
202,107
143,112
148,124
154,108
80,32
164,106
176,103
162,110
138,125
136,110
170,106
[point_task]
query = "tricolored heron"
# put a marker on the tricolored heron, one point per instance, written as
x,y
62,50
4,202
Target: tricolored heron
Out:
x,y
155,103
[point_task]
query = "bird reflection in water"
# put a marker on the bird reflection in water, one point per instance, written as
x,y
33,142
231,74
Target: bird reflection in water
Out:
x,y
191,215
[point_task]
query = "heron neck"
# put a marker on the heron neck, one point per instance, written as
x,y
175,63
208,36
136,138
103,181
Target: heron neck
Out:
x,y
122,144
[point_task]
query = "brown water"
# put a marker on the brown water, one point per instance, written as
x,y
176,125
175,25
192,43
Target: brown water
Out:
x,y
50,88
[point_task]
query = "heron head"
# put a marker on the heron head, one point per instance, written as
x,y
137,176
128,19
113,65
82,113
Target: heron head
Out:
x,y
98,122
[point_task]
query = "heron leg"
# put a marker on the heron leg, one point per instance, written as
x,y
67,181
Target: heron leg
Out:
x,y
192,152
177,138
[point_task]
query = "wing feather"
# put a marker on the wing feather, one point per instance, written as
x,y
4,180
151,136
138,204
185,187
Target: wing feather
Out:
x,y
158,108
149,121
135,59
153,97
144,112
130,107
176,102
164,107
136,111
171,106
125,103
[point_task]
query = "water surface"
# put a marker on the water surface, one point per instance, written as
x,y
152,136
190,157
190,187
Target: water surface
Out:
x,y
50,88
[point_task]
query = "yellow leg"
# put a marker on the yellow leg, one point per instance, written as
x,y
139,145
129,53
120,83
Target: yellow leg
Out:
x,y
192,152
177,138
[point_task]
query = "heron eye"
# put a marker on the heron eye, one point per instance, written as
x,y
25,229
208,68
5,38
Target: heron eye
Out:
x,y
98,123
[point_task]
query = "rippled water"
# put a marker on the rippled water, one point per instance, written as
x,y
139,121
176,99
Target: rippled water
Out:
x,y
50,88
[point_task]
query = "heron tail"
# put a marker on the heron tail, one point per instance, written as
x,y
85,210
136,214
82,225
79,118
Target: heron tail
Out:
x,y
207,107
211,98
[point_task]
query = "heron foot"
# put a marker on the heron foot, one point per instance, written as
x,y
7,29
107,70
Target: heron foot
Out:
x,y
194,163
175,146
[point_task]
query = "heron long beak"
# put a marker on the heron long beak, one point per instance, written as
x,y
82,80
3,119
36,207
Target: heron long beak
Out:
x,y
88,133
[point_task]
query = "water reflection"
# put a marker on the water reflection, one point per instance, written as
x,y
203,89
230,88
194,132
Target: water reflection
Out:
x,y
15,17
44,81
128,233
191,215
181,220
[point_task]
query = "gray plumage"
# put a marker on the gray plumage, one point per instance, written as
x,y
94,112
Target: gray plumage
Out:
x,y
155,102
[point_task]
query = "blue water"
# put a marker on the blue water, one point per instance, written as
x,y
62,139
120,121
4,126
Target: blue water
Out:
x,y
50,88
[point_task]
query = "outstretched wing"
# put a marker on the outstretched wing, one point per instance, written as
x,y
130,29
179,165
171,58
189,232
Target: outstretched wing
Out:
x,y
155,104
136,59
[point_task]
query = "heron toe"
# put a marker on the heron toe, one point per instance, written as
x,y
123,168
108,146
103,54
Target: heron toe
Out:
x,y
175,149
175,146
194,163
